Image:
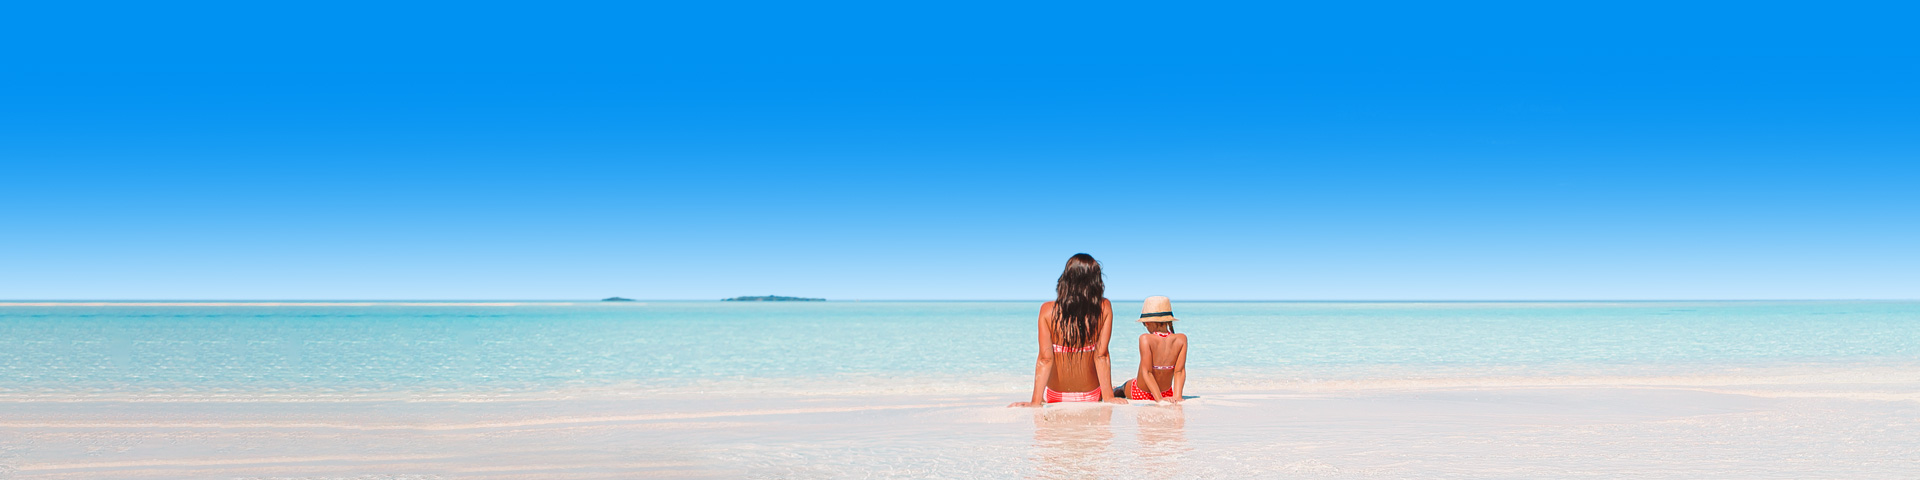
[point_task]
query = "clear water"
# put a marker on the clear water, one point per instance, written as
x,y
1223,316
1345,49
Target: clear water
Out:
x,y
536,347
1680,390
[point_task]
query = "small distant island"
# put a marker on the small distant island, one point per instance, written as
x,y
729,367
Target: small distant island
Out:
x,y
772,298
616,299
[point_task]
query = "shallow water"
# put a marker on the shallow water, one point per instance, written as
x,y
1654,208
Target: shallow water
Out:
x,y
917,390
350,350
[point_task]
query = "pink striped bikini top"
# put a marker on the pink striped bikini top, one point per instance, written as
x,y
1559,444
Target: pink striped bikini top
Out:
x,y
1060,349
1162,367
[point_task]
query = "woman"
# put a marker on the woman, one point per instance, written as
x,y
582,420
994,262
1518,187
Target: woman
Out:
x,y
1163,356
1074,328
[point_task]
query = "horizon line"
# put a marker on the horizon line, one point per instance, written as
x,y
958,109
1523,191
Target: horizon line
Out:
x,y
511,302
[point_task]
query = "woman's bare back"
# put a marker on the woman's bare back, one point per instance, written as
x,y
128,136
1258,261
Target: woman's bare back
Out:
x,y
1074,367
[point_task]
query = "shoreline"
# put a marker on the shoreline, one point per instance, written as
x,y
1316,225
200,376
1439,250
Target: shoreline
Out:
x,y
284,304
1900,381
1531,432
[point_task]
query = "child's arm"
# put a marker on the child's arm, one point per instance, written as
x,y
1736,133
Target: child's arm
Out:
x,y
1180,370
1146,369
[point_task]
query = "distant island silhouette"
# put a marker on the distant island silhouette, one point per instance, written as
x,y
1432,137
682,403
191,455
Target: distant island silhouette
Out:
x,y
616,299
772,298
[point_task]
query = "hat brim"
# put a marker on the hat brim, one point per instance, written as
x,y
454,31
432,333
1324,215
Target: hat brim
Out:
x,y
1168,318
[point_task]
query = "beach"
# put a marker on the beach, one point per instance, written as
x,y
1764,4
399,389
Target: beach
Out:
x,y
919,389
827,240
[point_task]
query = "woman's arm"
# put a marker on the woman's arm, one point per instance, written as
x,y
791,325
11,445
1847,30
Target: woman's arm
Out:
x,y
1043,364
1180,371
1102,362
1146,369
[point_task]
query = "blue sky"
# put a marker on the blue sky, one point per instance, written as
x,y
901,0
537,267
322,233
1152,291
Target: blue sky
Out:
x,y
959,151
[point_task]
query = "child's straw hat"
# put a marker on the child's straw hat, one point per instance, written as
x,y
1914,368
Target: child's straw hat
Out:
x,y
1157,309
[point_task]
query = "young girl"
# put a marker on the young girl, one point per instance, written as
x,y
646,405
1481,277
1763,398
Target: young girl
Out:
x,y
1073,330
1163,356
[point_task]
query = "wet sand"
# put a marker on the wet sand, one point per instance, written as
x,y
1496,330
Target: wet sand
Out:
x,y
1477,429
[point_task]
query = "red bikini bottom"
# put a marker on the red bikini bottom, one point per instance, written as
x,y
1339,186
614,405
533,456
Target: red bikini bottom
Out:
x,y
1086,396
1135,393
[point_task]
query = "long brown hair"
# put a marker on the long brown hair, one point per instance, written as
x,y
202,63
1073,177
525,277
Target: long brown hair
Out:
x,y
1076,305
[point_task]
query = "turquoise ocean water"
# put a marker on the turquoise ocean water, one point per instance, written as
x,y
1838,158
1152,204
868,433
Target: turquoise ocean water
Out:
x,y
240,350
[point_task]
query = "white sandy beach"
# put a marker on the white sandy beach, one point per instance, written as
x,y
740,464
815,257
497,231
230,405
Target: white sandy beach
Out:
x,y
1853,423
914,390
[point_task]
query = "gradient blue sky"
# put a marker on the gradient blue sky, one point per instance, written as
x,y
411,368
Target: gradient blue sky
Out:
x,y
913,150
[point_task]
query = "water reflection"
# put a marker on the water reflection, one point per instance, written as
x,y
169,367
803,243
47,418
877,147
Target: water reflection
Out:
x,y
1071,441
1163,439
